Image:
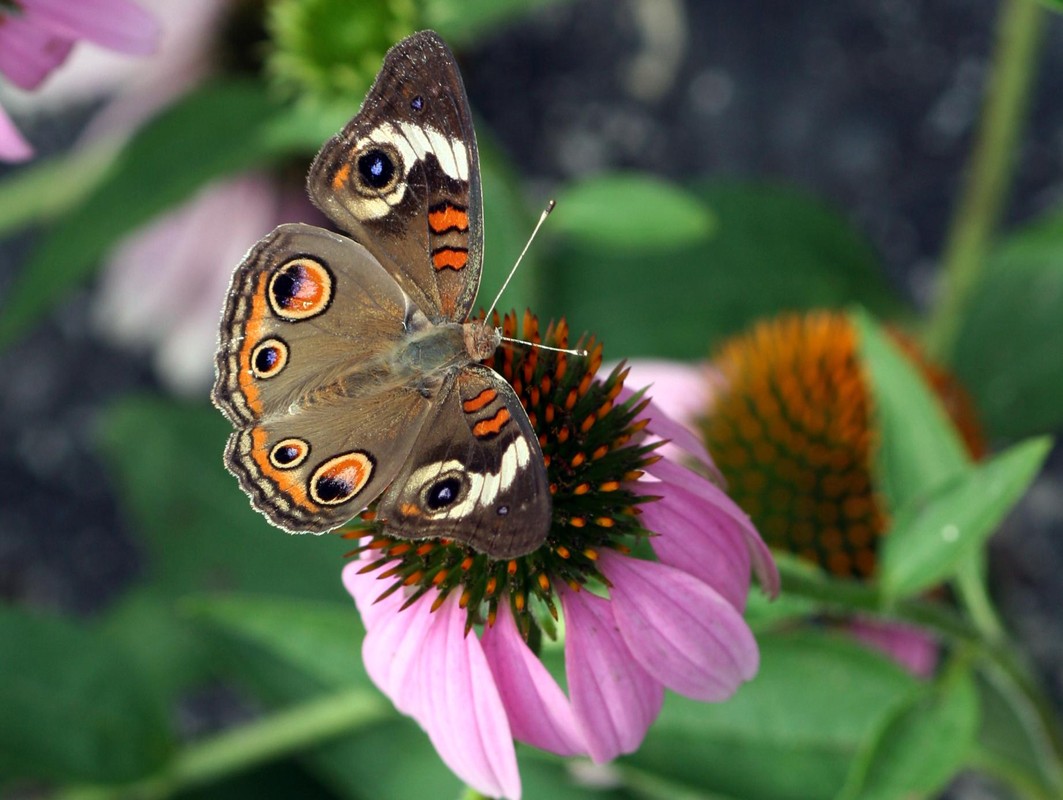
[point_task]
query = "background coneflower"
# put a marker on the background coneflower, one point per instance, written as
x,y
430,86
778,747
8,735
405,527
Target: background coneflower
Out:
x,y
791,425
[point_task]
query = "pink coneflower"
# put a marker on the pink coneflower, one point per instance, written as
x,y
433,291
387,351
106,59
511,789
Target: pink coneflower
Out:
x,y
647,567
787,414
36,36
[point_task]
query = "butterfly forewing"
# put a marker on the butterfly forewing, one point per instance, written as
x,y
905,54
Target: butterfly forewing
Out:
x,y
402,177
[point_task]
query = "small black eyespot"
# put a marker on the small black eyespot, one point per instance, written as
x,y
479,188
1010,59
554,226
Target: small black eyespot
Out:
x,y
417,103
266,359
502,511
376,168
443,493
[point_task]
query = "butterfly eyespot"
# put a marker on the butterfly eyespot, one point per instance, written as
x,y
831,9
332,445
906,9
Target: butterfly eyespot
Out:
x,y
289,453
377,169
300,289
502,511
339,479
443,493
417,103
269,358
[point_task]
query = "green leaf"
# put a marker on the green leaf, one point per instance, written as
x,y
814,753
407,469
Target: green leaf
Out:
x,y
29,195
919,447
214,131
771,250
200,530
790,734
1012,733
507,225
932,533
1054,5
72,706
619,211
167,652
922,744
1011,337
322,639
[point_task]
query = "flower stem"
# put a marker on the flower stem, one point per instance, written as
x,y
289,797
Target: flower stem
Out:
x,y
1018,38
236,750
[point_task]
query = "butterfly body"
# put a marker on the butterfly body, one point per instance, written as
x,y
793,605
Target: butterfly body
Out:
x,y
348,365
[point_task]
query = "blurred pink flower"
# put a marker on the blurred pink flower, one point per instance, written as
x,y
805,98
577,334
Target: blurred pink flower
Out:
x,y
686,392
674,622
36,36
165,285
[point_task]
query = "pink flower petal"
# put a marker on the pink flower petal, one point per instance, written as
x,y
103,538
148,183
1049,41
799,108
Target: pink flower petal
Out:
x,y
115,24
678,389
28,52
13,147
683,478
614,698
463,713
911,647
696,537
539,713
394,641
679,629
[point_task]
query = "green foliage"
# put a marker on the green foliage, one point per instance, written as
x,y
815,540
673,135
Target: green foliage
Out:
x,y
675,295
919,448
1010,347
789,735
935,531
93,722
923,742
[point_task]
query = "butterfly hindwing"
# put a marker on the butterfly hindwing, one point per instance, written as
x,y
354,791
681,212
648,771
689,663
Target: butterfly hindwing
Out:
x,y
476,474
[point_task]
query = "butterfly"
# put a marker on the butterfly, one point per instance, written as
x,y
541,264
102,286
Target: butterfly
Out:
x,y
348,364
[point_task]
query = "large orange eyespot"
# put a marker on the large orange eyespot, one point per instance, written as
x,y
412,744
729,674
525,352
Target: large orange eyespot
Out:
x,y
339,479
300,289
269,358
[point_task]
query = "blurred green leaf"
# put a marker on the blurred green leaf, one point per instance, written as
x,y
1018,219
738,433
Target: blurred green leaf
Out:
x,y
168,653
389,760
73,707
919,448
199,527
932,533
324,640
1008,353
1012,731
507,225
623,211
773,249
790,734
1054,5
214,131
30,194
923,743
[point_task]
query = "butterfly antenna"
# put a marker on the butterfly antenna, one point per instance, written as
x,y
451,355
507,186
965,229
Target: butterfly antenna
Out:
x,y
542,218
539,224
